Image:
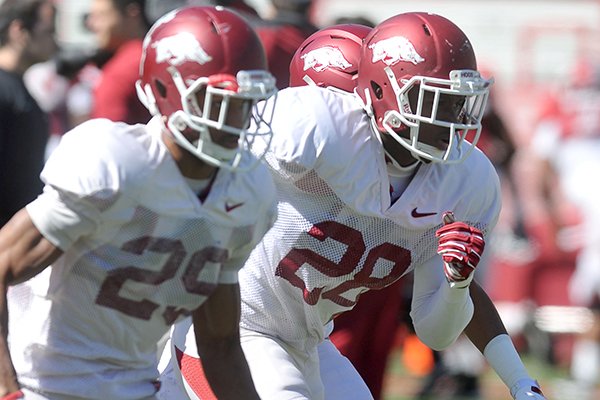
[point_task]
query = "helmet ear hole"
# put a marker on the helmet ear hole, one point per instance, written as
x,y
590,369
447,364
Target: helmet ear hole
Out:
x,y
426,30
160,88
377,90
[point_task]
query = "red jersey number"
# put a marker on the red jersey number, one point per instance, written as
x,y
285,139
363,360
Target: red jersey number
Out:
x,y
110,291
355,251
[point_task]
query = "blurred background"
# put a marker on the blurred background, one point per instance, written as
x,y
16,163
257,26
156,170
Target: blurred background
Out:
x,y
543,135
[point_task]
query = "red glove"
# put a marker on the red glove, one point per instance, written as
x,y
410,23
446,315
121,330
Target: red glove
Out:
x,y
460,246
18,395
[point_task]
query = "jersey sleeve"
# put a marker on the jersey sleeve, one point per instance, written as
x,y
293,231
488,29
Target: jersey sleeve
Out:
x,y
305,132
491,200
82,180
439,313
476,200
292,149
61,217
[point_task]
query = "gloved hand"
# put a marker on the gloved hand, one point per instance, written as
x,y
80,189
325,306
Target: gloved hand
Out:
x,y
18,395
527,389
461,247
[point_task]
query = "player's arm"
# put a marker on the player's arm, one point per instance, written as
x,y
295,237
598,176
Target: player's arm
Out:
x,y
216,327
486,323
24,253
488,334
439,312
441,306
461,247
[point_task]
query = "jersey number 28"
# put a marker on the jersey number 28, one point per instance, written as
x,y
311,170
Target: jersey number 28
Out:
x,y
355,250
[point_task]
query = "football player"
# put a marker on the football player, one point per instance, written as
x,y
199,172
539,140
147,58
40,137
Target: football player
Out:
x,y
144,225
329,58
371,187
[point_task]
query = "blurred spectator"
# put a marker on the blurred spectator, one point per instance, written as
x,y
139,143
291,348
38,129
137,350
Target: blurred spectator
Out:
x,y
294,13
355,20
238,5
498,144
154,9
62,86
26,37
567,144
119,27
49,89
282,33
82,69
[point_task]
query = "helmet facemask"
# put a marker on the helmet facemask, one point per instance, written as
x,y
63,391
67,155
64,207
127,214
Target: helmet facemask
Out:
x,y
472,92
206,107
202,71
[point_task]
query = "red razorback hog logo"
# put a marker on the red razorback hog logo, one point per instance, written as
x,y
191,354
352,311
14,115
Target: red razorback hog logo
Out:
x,y
395,49
325,57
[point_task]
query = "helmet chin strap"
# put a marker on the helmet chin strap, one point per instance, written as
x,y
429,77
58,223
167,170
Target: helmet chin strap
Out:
x,y
309,81
395,169
434,151
402,170
367,106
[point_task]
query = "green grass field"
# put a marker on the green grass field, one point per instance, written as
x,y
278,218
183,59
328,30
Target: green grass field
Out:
x,y
400,385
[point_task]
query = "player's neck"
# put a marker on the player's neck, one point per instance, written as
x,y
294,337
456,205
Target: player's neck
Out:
x,y
395,150
189,165
193,168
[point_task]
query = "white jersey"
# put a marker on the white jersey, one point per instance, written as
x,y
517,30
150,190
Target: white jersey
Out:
x,y
141,251
337,233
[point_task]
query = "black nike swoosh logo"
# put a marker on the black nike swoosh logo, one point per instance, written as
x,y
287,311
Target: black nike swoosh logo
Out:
x,y
416,214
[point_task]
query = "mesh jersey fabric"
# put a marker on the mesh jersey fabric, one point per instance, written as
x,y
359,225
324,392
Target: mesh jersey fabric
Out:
x,y
337,233
141,251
